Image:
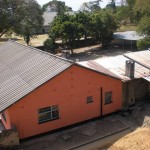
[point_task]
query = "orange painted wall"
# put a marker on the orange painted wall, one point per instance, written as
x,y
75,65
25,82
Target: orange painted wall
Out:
x,y
69,90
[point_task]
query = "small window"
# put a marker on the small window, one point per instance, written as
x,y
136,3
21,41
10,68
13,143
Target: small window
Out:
x,y
48,114
89,99
108,97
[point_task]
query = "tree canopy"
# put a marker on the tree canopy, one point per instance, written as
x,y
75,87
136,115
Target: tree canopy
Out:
x,y
143,9
104,24
67,28
56,6
90,6
98,25
24,17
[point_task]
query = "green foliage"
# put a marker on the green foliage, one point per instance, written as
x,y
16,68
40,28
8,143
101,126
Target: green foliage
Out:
x,y
56,6
31,20
84,20
91,6
144,29
103,26
112,6
123,13
144,43
99,25
144,26
130,4
49,45
7,15
24,17
67,28
142,7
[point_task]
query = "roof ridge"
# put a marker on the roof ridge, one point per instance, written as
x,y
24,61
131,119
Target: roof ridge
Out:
x,y
70,61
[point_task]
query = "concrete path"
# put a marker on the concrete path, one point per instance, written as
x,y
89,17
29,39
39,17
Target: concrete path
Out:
x,y
77,137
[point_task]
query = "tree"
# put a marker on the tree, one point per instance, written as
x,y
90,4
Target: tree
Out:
x,y
49,45
24,17
91,6
144,29
30,18
144,24
56,6
112,5
130,4
143,44
122,13
103,26
7,15
84,19
142,7
67,28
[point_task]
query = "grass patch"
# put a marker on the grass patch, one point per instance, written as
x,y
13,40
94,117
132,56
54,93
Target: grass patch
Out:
x,y
37,41
128,27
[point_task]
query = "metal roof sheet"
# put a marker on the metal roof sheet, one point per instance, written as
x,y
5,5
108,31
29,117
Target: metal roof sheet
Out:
x,y
23,69
115,67
147,78
49,16
141,57
127,35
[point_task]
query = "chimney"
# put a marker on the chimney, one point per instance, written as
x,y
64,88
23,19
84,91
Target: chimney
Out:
x,y
129,70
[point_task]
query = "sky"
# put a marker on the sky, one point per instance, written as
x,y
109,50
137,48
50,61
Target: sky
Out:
x,y
75,4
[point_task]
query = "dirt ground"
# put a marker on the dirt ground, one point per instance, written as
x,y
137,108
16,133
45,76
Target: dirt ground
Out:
x,y
139,136
137,140
37,41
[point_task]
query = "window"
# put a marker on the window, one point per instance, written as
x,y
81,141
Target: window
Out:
x,y
89,99
108,97
48,114
4,116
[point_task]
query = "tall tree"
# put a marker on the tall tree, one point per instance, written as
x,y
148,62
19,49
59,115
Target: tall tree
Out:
x,y
130,4
30,18
123,13
144,29
56,6
112,5
90,6
104,24
22,16
67,28
143,7
7,14
84,19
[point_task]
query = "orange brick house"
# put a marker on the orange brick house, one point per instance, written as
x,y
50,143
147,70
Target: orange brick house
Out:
x,y
40,92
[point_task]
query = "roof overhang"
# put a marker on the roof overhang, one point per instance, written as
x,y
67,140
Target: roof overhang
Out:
x,y
142,58
147,78
127,35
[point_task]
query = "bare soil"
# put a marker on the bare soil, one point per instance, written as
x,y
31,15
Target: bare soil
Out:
x,y
137,140
139,137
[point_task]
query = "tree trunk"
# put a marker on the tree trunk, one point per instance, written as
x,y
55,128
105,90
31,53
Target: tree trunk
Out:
x,y
70,43
85,39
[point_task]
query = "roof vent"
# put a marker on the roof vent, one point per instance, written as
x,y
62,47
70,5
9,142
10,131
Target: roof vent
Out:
x,y
129,70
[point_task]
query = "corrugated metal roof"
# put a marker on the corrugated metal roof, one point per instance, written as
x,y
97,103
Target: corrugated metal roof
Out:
x,y
49,16
141,57
127,35
147,78
23,69
115,67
